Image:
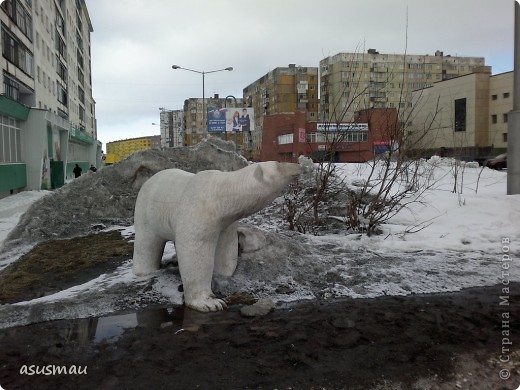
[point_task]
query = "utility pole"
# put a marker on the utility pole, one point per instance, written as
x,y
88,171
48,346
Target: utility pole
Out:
x,y
513,127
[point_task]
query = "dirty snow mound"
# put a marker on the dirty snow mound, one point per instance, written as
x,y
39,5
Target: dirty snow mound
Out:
x,y
107,197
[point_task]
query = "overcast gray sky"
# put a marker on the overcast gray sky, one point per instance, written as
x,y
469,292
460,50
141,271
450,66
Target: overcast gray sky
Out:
x,y
135,43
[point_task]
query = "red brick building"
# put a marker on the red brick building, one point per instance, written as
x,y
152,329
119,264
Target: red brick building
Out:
x,y
286,136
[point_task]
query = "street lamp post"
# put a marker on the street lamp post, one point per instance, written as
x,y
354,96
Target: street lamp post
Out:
x,y
203,73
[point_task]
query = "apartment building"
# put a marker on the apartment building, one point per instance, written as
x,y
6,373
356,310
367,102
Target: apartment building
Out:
x,y
284,89
119,150
172,125
196,119
47,108
350,82
465,116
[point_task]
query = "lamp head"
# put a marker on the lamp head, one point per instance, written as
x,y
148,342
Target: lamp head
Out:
x,y
175,66
229,68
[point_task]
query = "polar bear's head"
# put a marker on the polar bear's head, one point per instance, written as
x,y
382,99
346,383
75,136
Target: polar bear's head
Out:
x,y
276,174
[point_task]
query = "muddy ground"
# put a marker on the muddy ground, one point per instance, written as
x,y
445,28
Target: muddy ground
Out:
x,y
445,341
440,341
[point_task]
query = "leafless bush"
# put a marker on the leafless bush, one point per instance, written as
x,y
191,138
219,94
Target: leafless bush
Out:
x,y
396,177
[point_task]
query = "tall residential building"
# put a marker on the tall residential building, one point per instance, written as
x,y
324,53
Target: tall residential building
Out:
x,y
48,42
196,123
172,124
284,89
350,82
46,105
464,116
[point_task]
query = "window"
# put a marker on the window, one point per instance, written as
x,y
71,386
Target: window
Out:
x,y
61,70
504,118
19,15
10,140
79,41
494,97
60,24
80,58
316,137
357,136
285,139
62,93
81,95
505,95
60,45
460,114
81,78
493,119
11,88
17,53
504,137
81,114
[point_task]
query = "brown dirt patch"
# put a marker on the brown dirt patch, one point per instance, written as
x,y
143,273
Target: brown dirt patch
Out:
x,y
55,265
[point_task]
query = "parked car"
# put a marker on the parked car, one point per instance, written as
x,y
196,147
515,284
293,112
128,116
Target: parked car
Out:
x,y
498,162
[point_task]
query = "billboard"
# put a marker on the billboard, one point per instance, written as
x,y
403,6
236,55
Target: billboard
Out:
x,y
230,119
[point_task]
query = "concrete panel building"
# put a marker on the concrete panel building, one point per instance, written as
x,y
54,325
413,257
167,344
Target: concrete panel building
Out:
x,y
350,82
282,90
47,111
172,128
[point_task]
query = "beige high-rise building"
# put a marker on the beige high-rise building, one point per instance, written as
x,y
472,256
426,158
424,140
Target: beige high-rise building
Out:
x,y
284,89
354,81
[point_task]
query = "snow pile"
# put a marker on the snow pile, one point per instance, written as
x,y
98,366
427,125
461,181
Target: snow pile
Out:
x,y
12,208
458,243
107,197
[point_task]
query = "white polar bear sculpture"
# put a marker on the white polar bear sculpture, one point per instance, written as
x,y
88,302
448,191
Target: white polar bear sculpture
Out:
x,y
200,213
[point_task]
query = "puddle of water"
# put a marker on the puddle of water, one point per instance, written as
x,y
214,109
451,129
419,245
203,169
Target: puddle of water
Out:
x,y
109,329
93,330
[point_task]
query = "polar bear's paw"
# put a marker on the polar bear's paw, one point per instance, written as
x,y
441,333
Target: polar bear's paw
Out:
x,y
206,304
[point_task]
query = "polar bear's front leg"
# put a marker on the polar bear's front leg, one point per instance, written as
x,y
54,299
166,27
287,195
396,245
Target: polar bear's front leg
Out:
x,y
227,251
196,258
